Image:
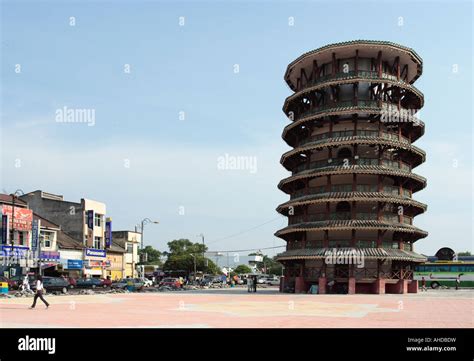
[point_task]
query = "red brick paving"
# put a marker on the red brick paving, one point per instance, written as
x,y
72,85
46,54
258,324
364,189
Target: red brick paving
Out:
x,y
236,308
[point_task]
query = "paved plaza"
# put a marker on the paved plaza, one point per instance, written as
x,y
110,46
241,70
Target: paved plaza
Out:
x,y
236,308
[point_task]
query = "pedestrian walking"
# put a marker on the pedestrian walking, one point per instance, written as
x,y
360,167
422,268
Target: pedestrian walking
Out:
x,y
458,282
423,284
255,283
39,292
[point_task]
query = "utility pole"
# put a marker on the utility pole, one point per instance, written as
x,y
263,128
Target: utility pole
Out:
x,y
39,254
12,240
203,245
194,259
142,226
203,249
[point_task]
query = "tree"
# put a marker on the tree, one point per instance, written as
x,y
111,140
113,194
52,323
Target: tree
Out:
x,y
273,267
240,269
212,268
153,256
465,253
182,255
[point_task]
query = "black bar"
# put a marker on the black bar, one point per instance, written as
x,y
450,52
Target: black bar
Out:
x,y
312,344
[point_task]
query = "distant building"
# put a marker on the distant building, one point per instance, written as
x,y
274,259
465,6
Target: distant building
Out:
x,y
16,224
231,260
115,262
84,220
59,253
48,247
71,253
130,241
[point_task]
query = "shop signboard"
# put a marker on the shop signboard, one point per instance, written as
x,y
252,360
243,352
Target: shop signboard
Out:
x,y
108,233
92,252
74,264
23,217
35,230
90,219
14,251
5,229
49,255
97,264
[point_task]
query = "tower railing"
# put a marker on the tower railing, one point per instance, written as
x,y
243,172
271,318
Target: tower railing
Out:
x,y
346,188
386,108
326,163
347,216
366,74
350,133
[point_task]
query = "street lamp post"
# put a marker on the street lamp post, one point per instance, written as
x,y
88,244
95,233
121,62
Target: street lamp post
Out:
x,y
194,259
203,247
14,196
12,240
142,226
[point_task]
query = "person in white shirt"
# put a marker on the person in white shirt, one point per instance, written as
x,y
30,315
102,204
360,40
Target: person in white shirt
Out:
x,y
39,292
26,284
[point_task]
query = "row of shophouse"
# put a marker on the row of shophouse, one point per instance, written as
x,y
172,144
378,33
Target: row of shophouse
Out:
x,y
42,232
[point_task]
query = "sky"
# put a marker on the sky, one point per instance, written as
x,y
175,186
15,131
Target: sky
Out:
x,y
176,87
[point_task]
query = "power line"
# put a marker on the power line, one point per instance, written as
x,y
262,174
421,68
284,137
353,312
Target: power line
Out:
x,y
244,231
246,250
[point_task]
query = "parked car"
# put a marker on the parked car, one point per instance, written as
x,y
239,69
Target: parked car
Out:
x,y
170,282
89,283
272,281
12,284
106,282
210,280
72,282
146,282
53,284
219,279
206,281
124,283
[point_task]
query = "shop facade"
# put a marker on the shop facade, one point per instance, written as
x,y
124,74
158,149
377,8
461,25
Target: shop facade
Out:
x,y
95,262
72,263
16,257
129,241
115,258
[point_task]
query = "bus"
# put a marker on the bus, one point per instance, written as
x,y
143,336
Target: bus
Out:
x,y
444,273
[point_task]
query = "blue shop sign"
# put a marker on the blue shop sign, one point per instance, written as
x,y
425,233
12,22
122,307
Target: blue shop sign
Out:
x,y
35,231
108,233
92,252
14,251
50,255
74,264
90,219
